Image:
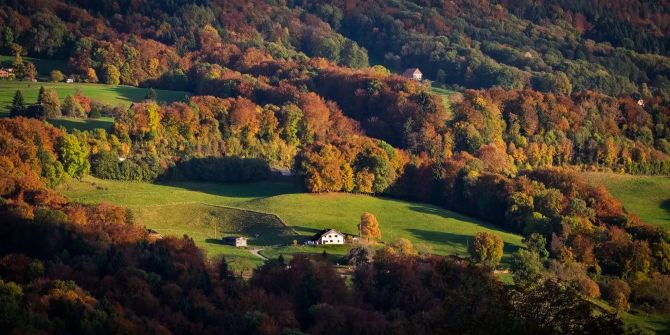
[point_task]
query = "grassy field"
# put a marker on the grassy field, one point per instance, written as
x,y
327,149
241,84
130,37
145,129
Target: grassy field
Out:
x,y
444,93
70,123
635,318
196,208
111,95
646,196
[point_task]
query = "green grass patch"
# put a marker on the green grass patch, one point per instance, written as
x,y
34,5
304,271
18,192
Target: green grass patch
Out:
x,y
638,319
646,196
83,124
444,93
191,208
107,94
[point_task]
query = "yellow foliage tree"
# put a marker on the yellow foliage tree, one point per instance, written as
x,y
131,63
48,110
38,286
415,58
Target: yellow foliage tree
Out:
x,y
369,227
486,249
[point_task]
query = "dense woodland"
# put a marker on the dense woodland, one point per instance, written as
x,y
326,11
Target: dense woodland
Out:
x,y
543,92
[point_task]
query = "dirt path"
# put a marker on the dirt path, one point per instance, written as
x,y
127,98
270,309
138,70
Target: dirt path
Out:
x,y
256,252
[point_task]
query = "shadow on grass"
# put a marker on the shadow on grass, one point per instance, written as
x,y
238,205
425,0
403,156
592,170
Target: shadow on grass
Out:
x,y
305,230
135,94
666,207
262,189
445,214
82,124
260,228
217,241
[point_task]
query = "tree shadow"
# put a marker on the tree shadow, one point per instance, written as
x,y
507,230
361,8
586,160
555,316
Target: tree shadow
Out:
x,y
446,214
218,241
665,205
306,230
259,228
263,189
82,124
135,94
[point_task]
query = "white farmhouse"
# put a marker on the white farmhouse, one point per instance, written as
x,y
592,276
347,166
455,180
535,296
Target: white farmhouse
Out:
x,y
328,236
413,73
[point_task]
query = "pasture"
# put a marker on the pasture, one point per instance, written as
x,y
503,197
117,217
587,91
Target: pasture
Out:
x,y
646,196
107,94
195,209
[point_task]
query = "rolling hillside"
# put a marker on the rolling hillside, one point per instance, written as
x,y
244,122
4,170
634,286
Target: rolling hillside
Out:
x,y
646,196
190,208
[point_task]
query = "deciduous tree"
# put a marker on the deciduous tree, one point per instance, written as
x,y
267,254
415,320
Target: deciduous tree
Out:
x,y
486,248
369,227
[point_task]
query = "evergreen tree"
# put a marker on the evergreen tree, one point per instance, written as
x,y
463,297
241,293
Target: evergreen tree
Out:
x,y
40,95
18,107
151,94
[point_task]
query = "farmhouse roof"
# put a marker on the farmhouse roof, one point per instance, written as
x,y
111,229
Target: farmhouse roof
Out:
x,y
324,232
234,237
411,71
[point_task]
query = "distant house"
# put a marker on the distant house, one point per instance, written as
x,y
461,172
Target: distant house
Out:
x,y
236,241
153,235
284,172
413,73
6,73
328,236
69,80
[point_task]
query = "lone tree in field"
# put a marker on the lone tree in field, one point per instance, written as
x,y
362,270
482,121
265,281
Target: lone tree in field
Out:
x,y
369,227
51,106
18,104
486,249
151,94
57,76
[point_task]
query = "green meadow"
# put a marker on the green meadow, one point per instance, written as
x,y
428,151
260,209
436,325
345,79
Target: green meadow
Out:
x,y
646,196
207,211
107,94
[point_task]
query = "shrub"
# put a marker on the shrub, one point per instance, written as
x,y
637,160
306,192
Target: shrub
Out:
x,y
618,294
56,76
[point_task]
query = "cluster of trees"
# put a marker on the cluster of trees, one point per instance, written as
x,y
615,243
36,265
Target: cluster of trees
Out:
x,y
611,47
49,106
510,130
155,45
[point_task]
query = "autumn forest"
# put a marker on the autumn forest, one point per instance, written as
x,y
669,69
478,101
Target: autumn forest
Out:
x,y
518,100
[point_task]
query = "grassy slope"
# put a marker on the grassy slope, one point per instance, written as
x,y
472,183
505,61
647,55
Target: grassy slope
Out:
x,y
646,196
111,95
180,208
652,323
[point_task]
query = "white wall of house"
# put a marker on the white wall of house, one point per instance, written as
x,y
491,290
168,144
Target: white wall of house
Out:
x,y
331,238
240,242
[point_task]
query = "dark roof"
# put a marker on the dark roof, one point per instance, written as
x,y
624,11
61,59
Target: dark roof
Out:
x,y
320,233
410,72
233,237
